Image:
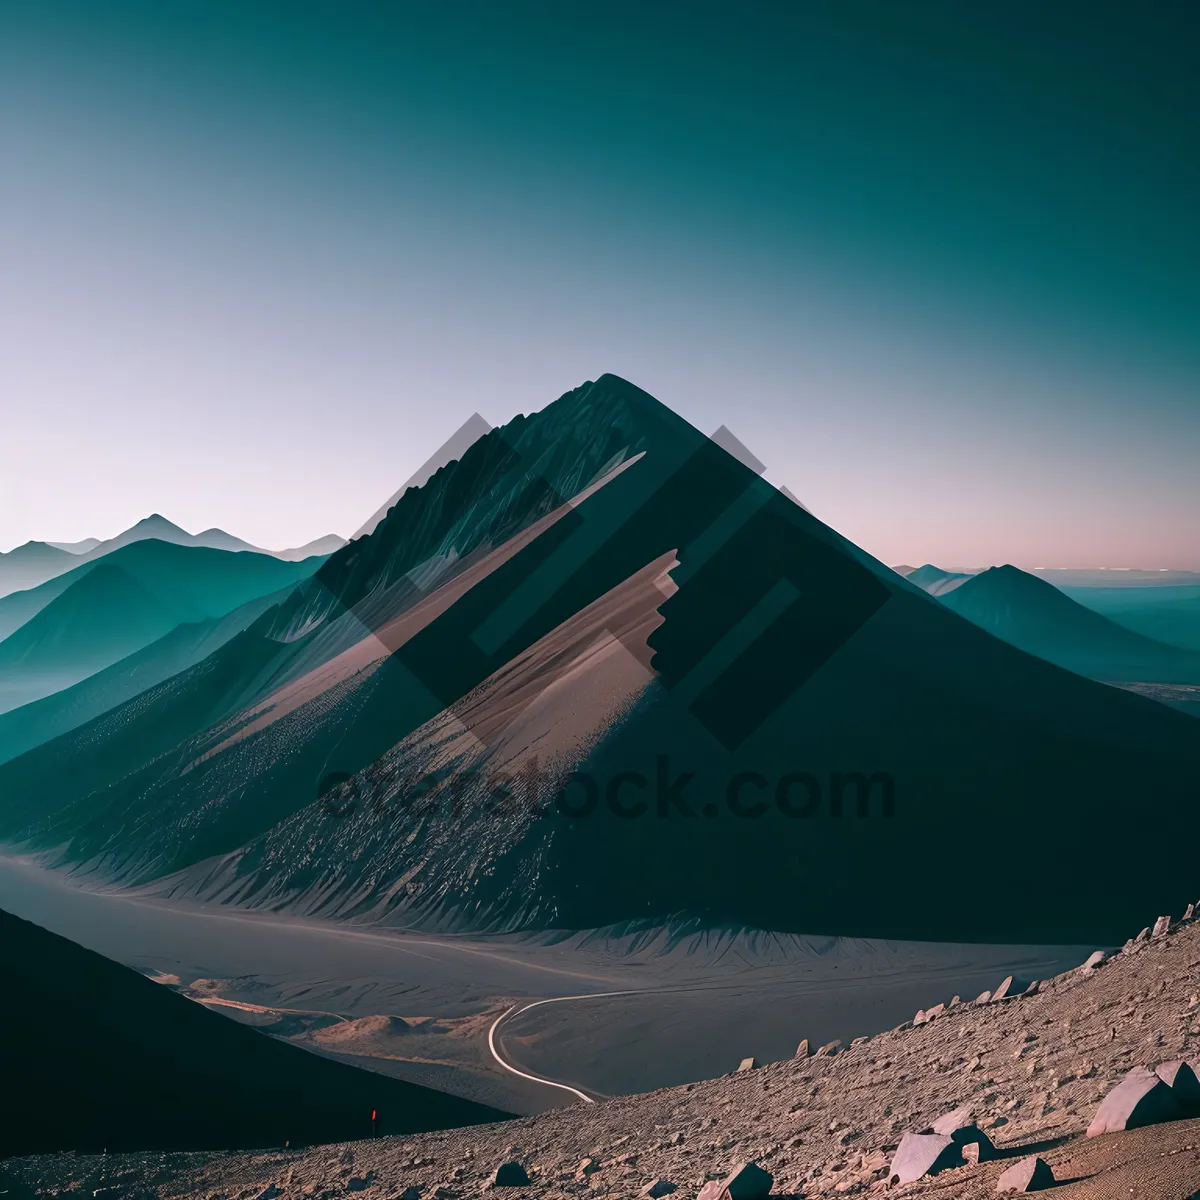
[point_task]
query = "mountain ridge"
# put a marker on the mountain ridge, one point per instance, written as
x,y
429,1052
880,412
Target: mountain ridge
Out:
x,y
601,586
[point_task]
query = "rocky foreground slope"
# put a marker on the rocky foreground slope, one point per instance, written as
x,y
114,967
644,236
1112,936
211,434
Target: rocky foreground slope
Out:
x,y
1032,1070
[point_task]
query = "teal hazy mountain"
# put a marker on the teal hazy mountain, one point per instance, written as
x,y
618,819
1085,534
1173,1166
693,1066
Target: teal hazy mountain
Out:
x,y
32,564
36,563
184,646
934,580
1037,617
102,611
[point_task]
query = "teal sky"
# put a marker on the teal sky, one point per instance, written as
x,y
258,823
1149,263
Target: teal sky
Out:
x,y
937,264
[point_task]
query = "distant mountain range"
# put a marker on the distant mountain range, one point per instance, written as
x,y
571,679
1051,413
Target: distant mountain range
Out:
x,y
1037,617
934,580
109,607
35,563
97,1057
598,588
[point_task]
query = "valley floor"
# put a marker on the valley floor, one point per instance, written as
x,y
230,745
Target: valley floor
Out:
x,y
1032,1069
630,1013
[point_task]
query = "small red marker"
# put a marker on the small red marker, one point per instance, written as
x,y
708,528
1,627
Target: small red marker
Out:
x,y
372,1122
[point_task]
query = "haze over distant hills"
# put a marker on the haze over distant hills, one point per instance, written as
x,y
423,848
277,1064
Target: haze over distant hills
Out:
x,y
186,644
109,607
1168,613
1037,617
35,563
599,588
934,580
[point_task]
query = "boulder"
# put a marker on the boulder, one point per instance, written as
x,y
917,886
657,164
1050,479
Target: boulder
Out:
x,y
747,1064
658,1189
961,1128
829,1049
510,1174
1094,960
803,1050
1141,1098
1181,1079
1161,927
921,1154
1144,936
1029,1175
983,997
1011,986
747,1181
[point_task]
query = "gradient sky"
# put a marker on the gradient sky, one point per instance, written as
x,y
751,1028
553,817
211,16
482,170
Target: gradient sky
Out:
x,y
937,264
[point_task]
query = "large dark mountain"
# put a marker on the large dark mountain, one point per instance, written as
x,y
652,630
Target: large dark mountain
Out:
x,y
98,1057
122,602
766,726
1037,617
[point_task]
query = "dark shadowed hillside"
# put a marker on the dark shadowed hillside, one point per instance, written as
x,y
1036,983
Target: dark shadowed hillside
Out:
x,y
96,1056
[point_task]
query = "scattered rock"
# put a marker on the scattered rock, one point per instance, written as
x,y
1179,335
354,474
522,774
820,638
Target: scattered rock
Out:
x,y
1011,986
1029,1175
1141,1098
657,1189
510,1174
747,1181
921,1154
960,1126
